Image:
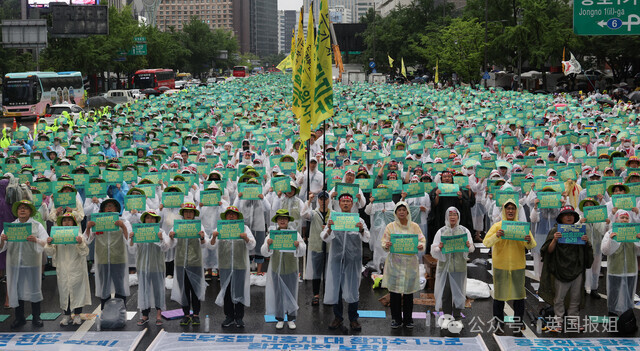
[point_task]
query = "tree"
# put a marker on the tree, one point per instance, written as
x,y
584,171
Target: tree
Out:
x,y
458,48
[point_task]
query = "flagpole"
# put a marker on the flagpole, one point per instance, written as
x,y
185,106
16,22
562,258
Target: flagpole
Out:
x,y
324,157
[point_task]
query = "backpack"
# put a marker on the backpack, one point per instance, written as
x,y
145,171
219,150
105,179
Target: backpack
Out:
x,y
114,314
627,324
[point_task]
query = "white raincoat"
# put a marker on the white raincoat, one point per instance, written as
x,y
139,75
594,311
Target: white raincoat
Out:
x,y
233,265
315,256
71,272
149,258
188,261
381,215
111,259
281,292
24,262
209,216
344,266
622,273
452,266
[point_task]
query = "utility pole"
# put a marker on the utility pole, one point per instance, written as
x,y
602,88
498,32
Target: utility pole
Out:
x,y
486,38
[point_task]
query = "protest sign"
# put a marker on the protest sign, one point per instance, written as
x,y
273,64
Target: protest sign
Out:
x,y
145,232
230,229
187,228
105,221
345,222
404,243
572,233
17,232
454,243
283,240
515,230
63,235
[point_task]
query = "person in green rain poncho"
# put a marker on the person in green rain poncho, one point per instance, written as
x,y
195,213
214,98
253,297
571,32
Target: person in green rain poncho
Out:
x,y
24,259
508,268
401,271
189,285
451,272
281,292
562,279
233,264
622,268
110,255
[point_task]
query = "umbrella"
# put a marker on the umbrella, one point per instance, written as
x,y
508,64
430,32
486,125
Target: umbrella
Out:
x,y
606,102
163,88
99,101
150,91
634,96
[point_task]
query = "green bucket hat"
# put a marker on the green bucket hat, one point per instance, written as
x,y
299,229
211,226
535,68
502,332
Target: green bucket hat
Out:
x,y
14,208
150,213
588,199
130,192
223,215
283,212
66,215
610,188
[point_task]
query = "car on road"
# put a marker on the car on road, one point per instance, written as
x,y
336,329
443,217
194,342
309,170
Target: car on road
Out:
x,y
56,111
120,96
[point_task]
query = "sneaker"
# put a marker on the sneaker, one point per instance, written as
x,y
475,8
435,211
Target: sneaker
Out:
x,y
77,320
195,320
239,323
355,326
335,324
227,322
395,325
291,325
65,320
409,325
185,321
280,325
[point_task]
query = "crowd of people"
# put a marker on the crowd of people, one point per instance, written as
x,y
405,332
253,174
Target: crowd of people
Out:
x,y
432,164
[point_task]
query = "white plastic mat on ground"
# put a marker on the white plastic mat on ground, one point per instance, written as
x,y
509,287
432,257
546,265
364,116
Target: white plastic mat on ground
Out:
x,y
511,343
193,342
55,341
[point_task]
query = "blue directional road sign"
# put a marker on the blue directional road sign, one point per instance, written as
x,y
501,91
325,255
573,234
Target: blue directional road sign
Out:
x,y
372,65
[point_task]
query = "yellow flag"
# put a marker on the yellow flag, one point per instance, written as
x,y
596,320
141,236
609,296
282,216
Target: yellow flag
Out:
x,y
284,64
390,61
302,157
292,52
297,69
436,79
308,80
323,92
402,70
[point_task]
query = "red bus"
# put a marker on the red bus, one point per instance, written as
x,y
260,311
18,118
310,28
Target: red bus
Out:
x,y
154,79
240,71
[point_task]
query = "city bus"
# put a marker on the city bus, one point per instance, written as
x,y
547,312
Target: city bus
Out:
x,y
154,79
240,71
30,94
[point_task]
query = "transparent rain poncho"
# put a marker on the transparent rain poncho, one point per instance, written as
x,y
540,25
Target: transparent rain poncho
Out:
x,y
151,271
71,272
381,215
188,261
111,259
622,271
402,272
24,262
344,266
233,267
281,291
452,266
315,256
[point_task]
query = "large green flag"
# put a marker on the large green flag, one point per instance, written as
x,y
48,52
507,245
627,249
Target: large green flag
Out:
x,y
323,93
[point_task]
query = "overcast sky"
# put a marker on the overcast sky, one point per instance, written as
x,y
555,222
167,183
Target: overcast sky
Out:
x,y
289,4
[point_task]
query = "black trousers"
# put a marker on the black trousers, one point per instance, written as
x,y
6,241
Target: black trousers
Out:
x,y
232,310
192,297
316,286
35,310
75,310
518,309
402,307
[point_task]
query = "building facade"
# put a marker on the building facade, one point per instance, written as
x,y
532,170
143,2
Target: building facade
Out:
x,y
287,21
